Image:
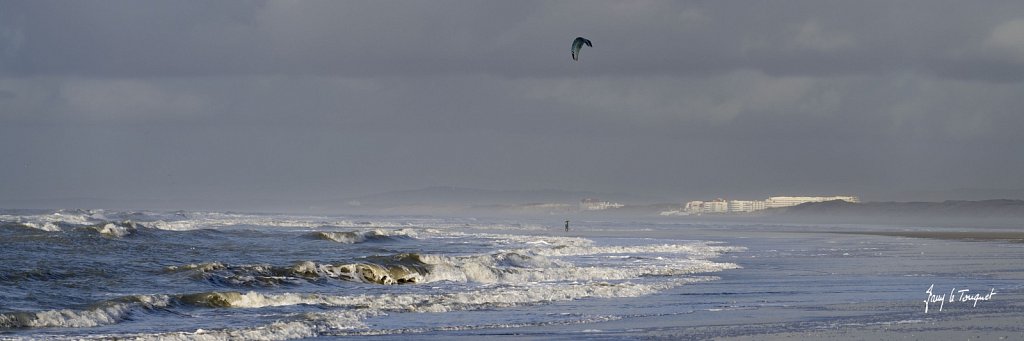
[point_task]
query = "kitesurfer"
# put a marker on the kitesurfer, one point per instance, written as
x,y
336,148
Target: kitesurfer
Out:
x,y
577,44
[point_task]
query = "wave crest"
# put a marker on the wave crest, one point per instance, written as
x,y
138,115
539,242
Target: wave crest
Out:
x,y
104,313
355,237
399,269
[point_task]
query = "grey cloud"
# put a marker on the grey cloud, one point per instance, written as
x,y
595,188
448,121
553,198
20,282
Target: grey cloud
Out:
x,y
525,39
257,100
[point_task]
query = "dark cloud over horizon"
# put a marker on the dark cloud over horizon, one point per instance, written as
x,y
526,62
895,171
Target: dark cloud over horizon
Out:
x,y
254,100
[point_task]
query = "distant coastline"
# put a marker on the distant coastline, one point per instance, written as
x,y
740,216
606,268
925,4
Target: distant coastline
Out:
x,y
459,201
978,208
1001,213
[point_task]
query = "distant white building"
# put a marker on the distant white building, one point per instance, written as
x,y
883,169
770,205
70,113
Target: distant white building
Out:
x,y
739,206
716,206
694,207
598,205
700,207
743,206
776,202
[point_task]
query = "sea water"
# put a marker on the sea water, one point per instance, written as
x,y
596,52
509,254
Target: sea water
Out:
x,y
208,275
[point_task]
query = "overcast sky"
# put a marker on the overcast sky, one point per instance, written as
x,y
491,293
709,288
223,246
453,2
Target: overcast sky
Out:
x,y
253,101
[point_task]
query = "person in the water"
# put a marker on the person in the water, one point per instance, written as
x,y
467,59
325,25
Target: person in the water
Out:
x,y
566,226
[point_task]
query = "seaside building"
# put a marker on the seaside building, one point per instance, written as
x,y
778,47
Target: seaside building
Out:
x,y
702,207
744,206
716,206
738,206
693,207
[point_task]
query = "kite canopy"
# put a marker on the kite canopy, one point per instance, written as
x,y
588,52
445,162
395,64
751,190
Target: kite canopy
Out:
x,y
577,44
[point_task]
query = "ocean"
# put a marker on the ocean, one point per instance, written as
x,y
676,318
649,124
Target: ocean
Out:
x,y
207,275
101,274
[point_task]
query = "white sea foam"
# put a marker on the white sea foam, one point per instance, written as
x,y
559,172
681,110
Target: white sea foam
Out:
x,y
114,230
548,262
489,297
52,222
494,271
45,226
201,267
184,221
57,221
355,308
476,269
695,250
543,259
207,220
179,225
354,237
543,269
74,217
106,313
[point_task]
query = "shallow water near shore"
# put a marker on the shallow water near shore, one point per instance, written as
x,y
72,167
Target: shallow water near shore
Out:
x,y
202,275
824,282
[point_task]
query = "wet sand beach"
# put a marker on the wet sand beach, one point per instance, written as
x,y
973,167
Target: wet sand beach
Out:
x,y
1010,236
825,282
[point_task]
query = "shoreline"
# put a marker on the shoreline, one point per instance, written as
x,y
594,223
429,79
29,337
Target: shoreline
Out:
x,y
850,284
1013,237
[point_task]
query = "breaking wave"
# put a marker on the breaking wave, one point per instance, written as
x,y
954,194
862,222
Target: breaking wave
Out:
x,y
400,269
354,237
104,313
334,322
282,277
507,267
118,230
177,221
